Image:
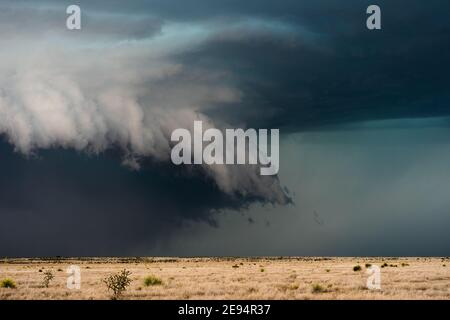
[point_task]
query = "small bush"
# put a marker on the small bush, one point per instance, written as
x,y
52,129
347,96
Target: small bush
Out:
x,y
8,283
294,286
152,281
118,283
252,290
327,270
368,265
235,266
357,268
384,265
317,288
262,270
48,276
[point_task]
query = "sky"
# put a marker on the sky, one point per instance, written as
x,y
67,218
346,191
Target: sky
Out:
x,y
86,118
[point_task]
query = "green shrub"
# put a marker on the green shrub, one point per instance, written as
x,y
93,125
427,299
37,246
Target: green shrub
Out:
x,y
262,270
368,265
152,281
317,288
8,283
118,283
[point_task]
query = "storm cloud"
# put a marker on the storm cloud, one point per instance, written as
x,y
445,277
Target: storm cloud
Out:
x,y
75,105
131,96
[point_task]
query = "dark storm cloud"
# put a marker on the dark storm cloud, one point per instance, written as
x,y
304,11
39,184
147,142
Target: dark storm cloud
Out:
x,y
295,65
65,203
305,64
329,69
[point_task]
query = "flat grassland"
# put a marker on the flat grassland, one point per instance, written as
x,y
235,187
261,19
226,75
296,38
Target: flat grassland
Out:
x,y
231,278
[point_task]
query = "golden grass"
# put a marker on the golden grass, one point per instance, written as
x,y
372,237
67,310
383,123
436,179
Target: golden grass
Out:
x,y
233,278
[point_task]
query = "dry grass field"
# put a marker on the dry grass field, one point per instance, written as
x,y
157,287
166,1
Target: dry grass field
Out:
x,y
231,278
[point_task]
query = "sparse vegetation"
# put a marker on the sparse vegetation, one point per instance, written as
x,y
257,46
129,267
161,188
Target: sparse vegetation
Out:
x,y
294,286
118,283
48,276
285,287
214,278
152,281
7,283
252,290
368,265
357,268
262,270
317,288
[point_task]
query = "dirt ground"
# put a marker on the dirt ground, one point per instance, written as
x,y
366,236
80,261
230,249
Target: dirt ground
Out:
x,y
231,278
